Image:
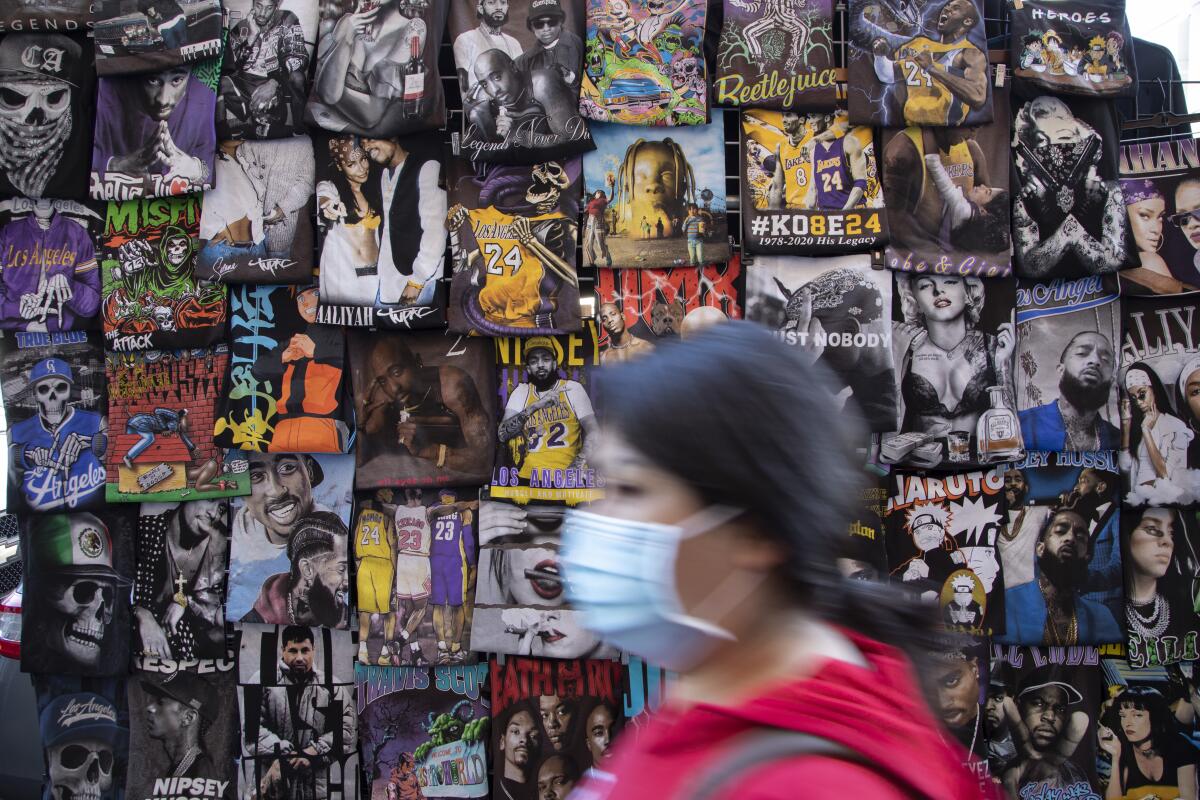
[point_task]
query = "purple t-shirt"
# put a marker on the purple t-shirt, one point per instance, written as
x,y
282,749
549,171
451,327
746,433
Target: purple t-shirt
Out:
x,y
123,127
30,257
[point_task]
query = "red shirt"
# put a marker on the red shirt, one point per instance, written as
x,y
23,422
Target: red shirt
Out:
x,y
876,710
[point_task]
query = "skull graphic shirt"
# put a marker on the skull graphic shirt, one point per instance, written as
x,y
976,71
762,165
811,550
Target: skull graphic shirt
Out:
x,y
49,278
55,403
644,62
155,135
512,239
150,296
78,568
84,729
519,71
150,35
46,114
777,55
264,72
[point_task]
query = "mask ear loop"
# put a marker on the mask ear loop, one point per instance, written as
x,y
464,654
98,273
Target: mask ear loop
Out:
x,y
732,590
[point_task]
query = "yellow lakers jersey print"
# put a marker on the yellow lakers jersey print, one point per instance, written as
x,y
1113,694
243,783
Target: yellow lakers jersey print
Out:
x,y
866,138
766,128
929,102
797,169
509,295
374,536
959,164
552,434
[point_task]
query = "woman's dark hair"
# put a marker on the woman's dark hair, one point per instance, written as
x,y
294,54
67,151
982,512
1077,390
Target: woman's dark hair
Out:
x,y
1163,725
747,422
1160,402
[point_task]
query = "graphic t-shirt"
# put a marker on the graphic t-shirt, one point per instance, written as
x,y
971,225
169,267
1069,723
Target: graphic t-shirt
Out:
x,y
69,16
55,404
512,242
150,296
154,133
1160,184
1161,622
918,62
638,308
1045,683
182,555
519,74
286,387
381,220
194,748
665,195
380,78
78,568
416,761
839,312
86,711
49,277
426,409
420,544
784,61
942,536
644,63
1072,47
947,195
1068,354
1069,215
810,184
265,68
151,35
256,224
1159,376
298,510
49,104
548,427
1061,551
160,442
956,396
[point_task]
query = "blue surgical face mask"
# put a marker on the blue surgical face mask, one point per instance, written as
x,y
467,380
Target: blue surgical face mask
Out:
x,y
621,575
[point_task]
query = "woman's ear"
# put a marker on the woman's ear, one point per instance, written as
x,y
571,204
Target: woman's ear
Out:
x,y
754,551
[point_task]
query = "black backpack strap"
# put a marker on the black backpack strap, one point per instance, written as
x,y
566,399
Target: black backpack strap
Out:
x,y
767,745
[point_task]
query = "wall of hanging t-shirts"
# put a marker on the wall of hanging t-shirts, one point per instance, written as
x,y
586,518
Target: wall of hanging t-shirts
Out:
x,y
303,302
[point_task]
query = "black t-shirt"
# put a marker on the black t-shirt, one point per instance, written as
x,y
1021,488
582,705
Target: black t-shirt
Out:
x,y
1073,47
1069,215
150,35
380,88
46,124
520,81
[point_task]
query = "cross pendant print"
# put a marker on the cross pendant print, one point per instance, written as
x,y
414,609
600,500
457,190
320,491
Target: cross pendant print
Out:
x,y
180,582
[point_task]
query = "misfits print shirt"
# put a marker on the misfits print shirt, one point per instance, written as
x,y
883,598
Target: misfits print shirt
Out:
x,y
154,133
519,71
1073,47
265,68
78,570
780,57
49,276
377,68
55,404
151,298
150,35
644,62
46,117
920,62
